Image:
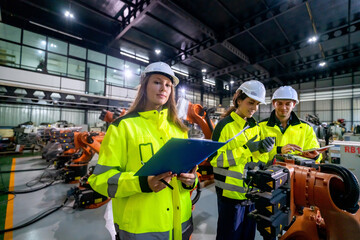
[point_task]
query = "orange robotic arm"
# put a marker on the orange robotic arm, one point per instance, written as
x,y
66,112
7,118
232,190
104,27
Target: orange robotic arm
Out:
x,y
197,114
310,201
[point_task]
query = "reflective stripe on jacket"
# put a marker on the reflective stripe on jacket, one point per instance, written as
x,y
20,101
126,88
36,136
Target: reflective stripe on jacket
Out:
x,y
139,213
230,160
298,132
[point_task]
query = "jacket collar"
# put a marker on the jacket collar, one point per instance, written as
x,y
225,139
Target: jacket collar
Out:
x,y
294,120
250,121
154,114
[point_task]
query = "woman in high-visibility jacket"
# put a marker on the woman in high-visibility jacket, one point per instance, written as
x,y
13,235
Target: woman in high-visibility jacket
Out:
x,y
231,160
144,207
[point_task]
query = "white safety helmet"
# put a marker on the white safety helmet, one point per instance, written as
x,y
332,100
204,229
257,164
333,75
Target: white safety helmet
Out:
x,y
161,68
254,89
285,92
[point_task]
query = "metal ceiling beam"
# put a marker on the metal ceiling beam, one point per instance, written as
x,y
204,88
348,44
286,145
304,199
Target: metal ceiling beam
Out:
x,y
177,10
314,27
236,51
135,15
94,10
255,21
226,70
220,56
129,3
227,10
337,57
170,27
60,15
264,17
312,64
156,39
323,37
282,30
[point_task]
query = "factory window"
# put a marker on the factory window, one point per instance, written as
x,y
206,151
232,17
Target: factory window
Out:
x,y
9,54
96,79
115,62
57,46
10,33
115,77
76,69
34,40
33,59
77,51
56,64
96,57
132,74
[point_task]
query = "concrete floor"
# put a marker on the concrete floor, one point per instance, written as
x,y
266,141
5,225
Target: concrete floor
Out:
x,y
68,223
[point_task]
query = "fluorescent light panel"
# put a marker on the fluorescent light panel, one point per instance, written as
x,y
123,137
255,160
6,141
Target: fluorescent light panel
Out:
x,y
134,57
52,29
180,72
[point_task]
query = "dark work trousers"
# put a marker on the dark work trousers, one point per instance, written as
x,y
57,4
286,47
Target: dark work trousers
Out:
x,y
233,222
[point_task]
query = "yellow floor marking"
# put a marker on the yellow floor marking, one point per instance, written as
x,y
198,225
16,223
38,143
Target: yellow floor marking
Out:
x,y
10,204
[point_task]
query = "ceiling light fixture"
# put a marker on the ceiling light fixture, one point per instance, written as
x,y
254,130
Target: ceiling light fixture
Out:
x,y
68,14
322,64
312,39
157,51
203,70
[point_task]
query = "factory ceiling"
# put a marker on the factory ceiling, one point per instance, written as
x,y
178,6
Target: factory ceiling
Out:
x,y
275,41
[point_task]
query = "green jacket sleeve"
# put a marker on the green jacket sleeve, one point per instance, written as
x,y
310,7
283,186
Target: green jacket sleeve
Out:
x,y
110,177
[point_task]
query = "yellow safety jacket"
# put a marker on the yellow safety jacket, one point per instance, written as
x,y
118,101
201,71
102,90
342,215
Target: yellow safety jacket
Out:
x,y
298,132
138,212
230,160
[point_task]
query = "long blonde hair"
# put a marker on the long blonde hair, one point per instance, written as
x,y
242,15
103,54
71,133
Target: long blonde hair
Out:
x,y
239,94
140,103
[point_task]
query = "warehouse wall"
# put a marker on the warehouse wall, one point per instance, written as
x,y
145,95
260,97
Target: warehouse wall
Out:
x,y
13,115
330,98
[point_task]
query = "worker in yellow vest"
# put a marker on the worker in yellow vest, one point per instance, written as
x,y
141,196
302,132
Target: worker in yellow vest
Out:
x,y
144,207
292,135
231,161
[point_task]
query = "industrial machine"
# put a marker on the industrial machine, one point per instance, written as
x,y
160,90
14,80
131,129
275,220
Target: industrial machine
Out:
x,y
307,200
109,117
196,114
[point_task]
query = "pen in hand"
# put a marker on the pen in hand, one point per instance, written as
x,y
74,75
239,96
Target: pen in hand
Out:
x,y
167,184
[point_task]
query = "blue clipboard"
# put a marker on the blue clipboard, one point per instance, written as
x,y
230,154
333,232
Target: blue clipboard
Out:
x,y
181,155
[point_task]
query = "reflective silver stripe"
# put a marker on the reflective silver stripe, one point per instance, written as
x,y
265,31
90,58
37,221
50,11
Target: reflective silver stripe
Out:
x,y
229,187
141,236
220,160
228,173
113,184
186,225
230,157
99,169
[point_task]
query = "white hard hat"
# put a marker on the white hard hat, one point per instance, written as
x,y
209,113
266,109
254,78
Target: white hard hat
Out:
x,y
161,68
254,89
285,92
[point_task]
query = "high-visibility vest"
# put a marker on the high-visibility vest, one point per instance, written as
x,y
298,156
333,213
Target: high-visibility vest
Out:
x,y
138,212
298,132
230,160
